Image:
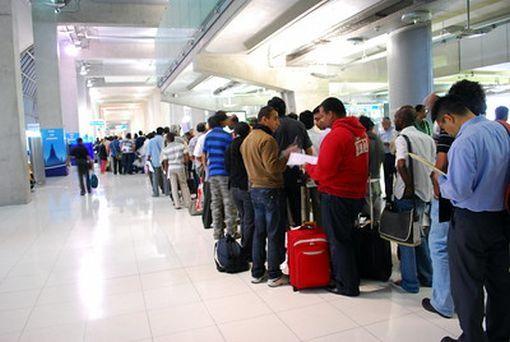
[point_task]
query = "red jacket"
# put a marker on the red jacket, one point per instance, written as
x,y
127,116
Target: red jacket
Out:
x,y
342,169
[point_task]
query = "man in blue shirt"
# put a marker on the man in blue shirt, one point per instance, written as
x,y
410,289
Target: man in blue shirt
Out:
x,y
478,174
154,148
115,155
215,145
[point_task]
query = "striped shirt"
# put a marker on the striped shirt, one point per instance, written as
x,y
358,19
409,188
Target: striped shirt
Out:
x,y
174,154
215,146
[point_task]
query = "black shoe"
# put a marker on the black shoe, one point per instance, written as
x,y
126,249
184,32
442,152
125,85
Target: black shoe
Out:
x,y
428,306
448,339
340,292
82,193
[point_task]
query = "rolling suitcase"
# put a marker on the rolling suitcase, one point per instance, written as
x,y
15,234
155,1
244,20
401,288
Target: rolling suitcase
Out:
x,y
308,257
374,253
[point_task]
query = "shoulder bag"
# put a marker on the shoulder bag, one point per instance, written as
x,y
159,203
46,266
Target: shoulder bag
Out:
x,y
402,227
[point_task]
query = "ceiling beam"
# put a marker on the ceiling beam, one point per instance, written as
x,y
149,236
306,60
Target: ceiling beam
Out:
x,y
293,14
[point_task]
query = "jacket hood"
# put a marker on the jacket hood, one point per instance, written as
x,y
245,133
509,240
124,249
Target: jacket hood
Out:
x,y
352,124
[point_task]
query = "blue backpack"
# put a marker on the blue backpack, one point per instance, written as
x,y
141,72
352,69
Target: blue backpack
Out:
x,y
229,257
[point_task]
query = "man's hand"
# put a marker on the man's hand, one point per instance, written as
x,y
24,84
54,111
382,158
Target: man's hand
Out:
x,y
435,183
409,192
291,149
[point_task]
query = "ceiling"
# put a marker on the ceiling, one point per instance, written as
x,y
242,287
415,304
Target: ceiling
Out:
x,y
317,40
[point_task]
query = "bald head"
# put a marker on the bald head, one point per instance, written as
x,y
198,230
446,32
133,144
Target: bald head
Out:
x,y
405,117
430,100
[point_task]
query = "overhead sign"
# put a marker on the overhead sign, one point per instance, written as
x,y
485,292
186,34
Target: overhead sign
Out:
x,y
98,123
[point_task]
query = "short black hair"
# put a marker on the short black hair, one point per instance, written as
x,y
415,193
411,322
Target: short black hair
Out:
x,y
306,118
265,112
165,130
212,121
140,133
242,129
170,137
201,127
419,107
79,140
317,109
408,115
159,131
502,113
332,104
221,116
449,104
366,122
293,116
278,104
472,95
128,136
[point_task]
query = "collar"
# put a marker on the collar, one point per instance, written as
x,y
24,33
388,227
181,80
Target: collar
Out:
x,y
471,122
263,128
409,129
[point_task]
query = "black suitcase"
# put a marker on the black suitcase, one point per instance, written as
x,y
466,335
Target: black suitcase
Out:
x,y
374,253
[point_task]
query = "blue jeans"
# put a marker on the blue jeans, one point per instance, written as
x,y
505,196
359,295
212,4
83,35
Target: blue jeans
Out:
x,y
268,208
438,244
415,264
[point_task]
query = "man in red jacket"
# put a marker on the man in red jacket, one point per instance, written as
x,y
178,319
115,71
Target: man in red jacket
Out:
x,y
341,173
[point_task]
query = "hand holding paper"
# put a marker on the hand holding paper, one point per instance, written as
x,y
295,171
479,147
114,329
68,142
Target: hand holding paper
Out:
x,y
297,159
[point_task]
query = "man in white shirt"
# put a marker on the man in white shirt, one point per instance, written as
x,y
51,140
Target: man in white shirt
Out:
x,y
174,157
387,134
203,172
413,188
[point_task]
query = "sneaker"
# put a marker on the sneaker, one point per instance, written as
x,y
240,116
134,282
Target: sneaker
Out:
x,y
282,280
259,280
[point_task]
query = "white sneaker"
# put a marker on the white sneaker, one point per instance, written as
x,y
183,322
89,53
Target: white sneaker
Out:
x,y
282,280
259,280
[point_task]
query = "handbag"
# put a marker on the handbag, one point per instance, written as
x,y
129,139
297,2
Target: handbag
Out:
x,y
401,227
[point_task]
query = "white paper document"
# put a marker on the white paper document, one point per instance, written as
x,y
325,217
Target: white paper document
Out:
x,y
426,163
301,159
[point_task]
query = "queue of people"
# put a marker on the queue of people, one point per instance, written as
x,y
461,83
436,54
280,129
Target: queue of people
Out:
x,y
242,173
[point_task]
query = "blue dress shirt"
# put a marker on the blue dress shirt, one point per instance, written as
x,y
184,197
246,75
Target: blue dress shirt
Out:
x,y
154,148
479,166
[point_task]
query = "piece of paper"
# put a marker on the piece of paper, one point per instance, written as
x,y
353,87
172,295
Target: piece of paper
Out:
x,y
298,159
426,163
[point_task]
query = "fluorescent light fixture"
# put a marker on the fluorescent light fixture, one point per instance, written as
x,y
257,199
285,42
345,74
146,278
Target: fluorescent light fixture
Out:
x,y
211,84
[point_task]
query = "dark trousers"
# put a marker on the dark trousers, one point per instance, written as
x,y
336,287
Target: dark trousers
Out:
x,y
127,162
479,257
83,173
242,201
292,193
117,165
207,213
316,205
338,217
267,206
389,172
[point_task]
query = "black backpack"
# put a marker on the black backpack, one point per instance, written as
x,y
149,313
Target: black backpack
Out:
x,y
229,257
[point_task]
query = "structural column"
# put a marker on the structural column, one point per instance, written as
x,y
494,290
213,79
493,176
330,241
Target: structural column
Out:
x,y
409,65
14,184
47,67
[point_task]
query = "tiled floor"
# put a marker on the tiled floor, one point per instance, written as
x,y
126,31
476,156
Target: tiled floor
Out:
x,y
122,266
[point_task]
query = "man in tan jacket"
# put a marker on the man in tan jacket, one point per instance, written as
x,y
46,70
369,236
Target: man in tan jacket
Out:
x,y
265,165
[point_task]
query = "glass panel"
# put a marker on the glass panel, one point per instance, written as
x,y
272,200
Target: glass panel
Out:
x,y
179,24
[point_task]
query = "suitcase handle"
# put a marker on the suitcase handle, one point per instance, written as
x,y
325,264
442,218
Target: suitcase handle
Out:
x,y
314,253
306,225
309,241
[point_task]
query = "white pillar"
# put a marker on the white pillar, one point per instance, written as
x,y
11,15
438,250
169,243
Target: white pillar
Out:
x,y
68,89
409,65
14,184
46,66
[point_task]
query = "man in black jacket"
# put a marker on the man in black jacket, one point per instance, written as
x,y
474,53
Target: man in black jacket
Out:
x,y
239,186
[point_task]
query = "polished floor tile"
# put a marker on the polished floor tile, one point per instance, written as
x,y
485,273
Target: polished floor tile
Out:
x,y
120,265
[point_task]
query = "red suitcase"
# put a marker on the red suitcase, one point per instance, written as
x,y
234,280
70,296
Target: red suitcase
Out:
x,y
308,257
